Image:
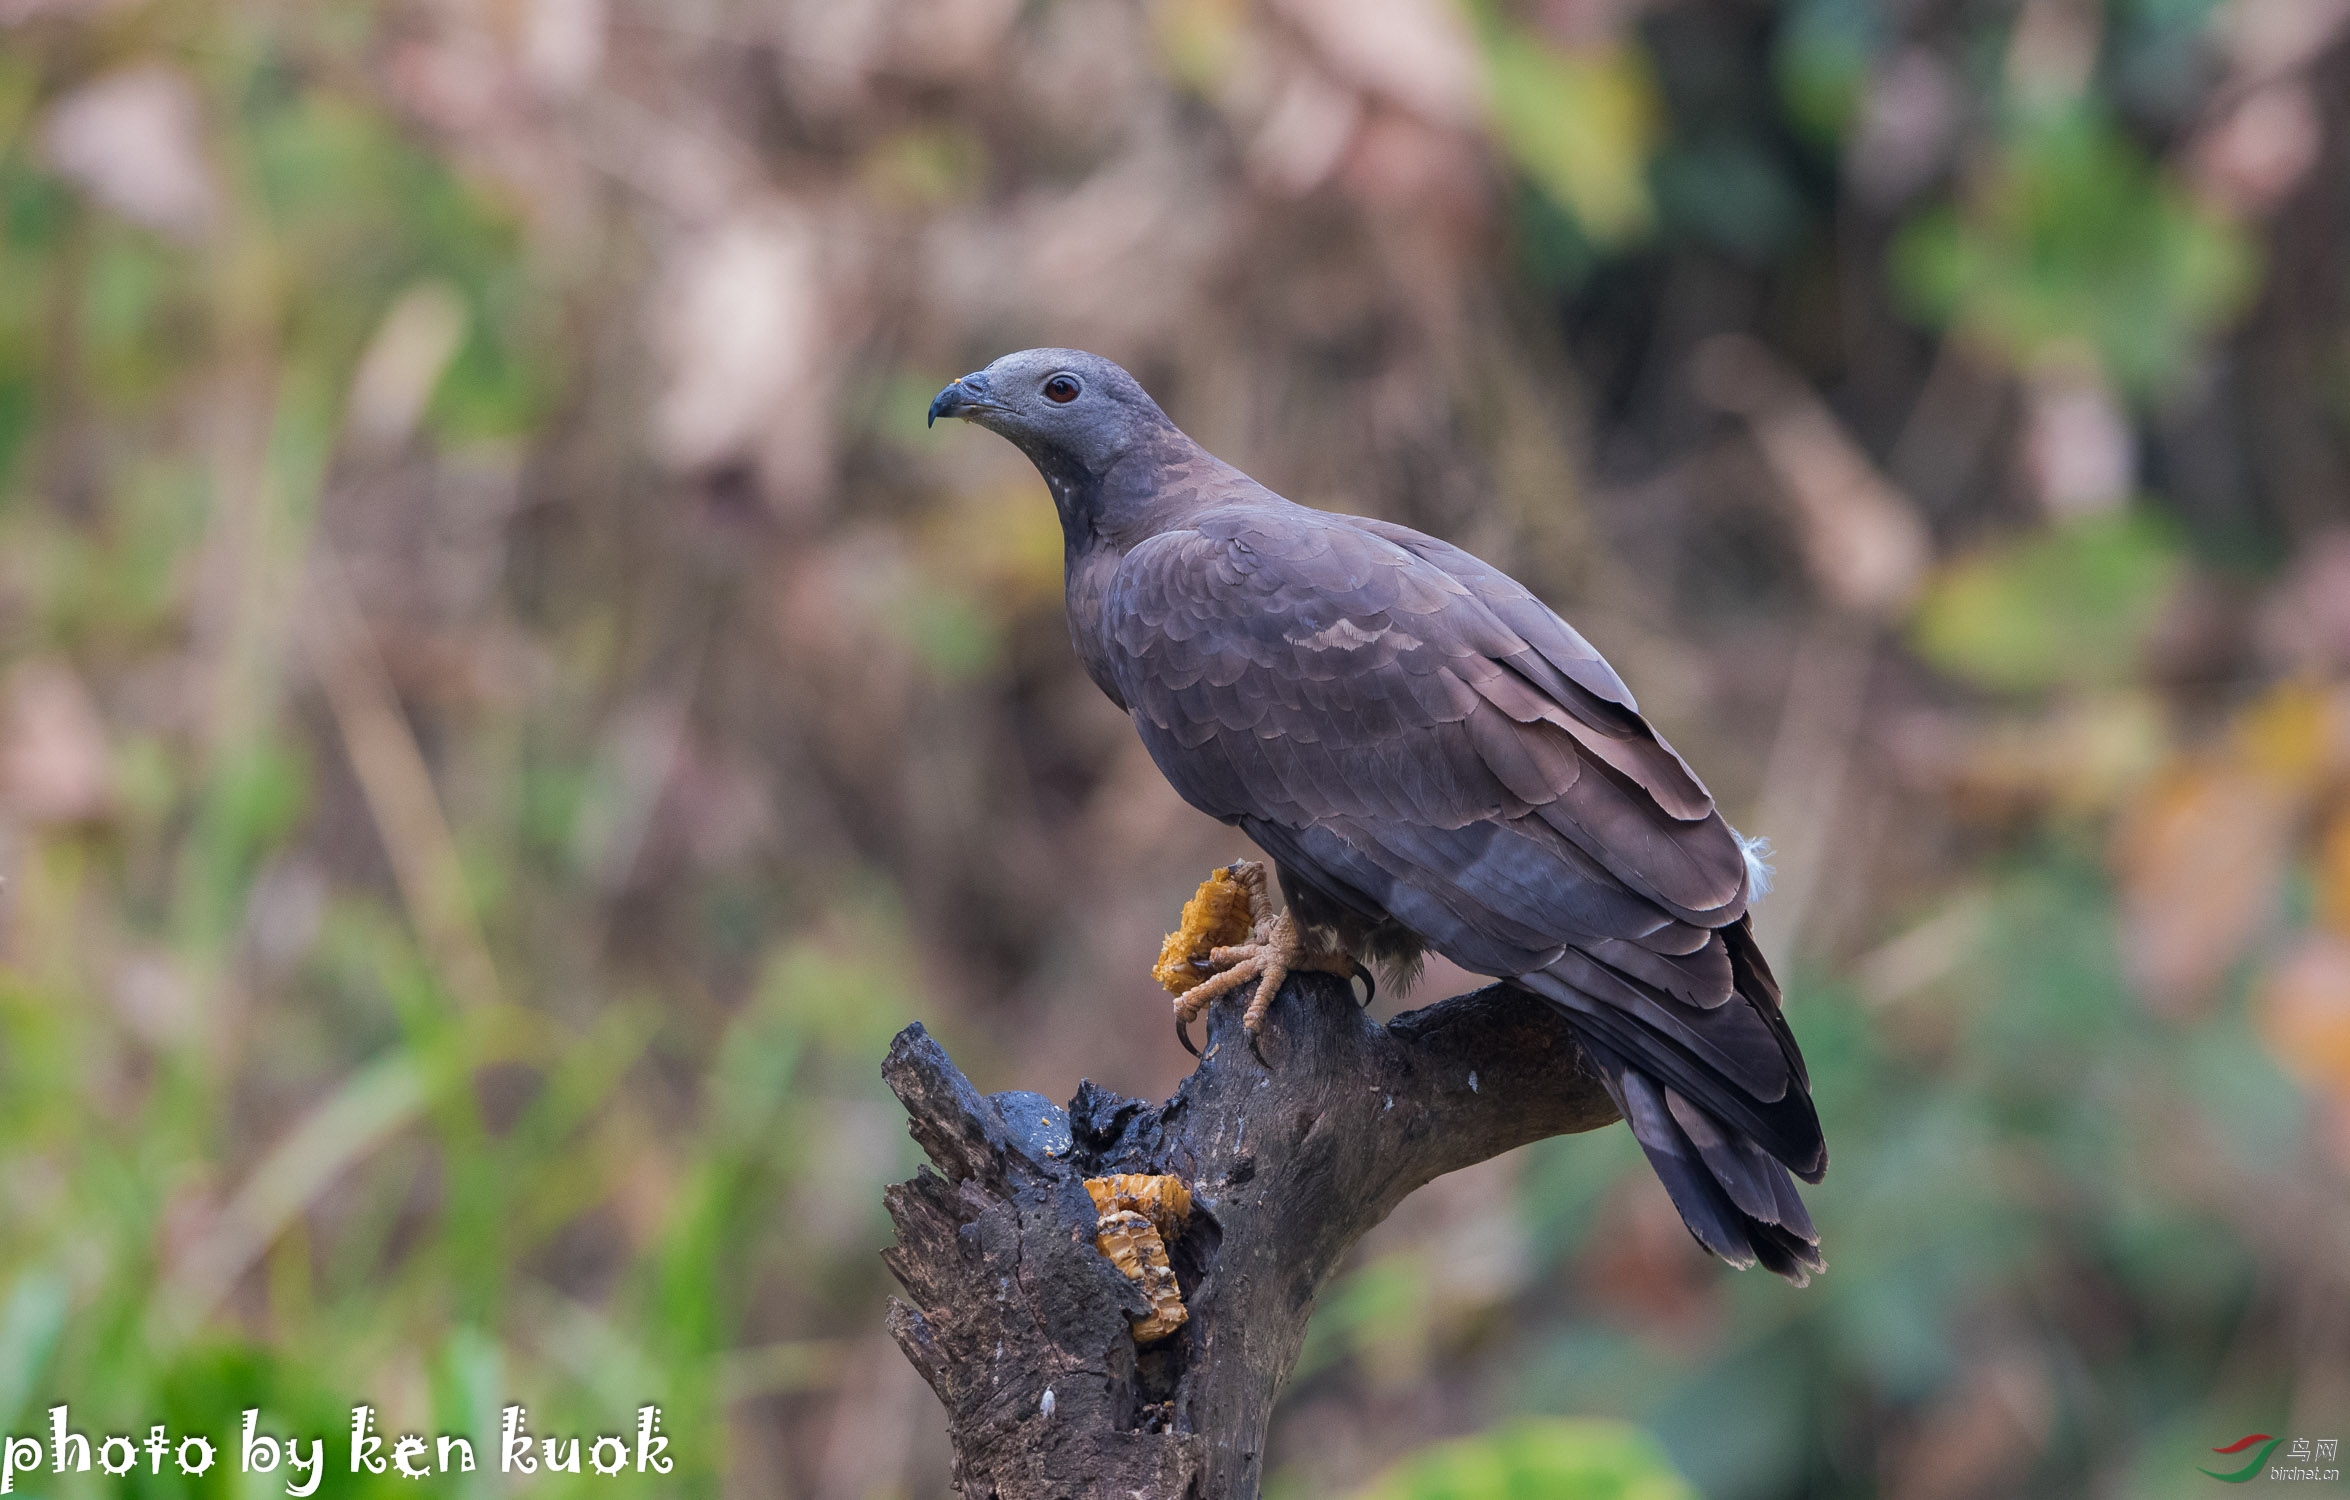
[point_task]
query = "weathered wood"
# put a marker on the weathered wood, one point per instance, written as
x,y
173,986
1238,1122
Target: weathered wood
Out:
x,y
1020,1324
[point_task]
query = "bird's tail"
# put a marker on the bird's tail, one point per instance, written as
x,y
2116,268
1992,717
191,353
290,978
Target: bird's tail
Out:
x,y
1737,1200
1721,1132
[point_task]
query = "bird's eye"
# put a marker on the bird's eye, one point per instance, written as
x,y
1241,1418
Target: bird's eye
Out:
x,y
1061,389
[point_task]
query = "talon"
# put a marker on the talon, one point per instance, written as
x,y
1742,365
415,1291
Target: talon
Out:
x,y
1370,984
1272,951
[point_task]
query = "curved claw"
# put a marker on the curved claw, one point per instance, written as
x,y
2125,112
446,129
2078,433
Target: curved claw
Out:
x,y
1256,1041
1183,1035
1370,984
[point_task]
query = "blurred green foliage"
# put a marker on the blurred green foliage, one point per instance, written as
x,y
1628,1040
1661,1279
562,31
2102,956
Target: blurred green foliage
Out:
x,y
1580,124
1822,58
2068,607
1537,1460
2070,240
466,1144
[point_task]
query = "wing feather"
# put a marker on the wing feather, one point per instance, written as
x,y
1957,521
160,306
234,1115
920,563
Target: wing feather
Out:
x,y
1418,738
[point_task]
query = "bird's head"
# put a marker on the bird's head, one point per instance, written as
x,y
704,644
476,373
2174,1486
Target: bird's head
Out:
x,y
1074,414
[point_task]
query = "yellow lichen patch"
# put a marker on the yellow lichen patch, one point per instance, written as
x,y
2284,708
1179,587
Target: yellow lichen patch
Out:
x,y
1216,916
1133,1245
1139,1214
1165,1201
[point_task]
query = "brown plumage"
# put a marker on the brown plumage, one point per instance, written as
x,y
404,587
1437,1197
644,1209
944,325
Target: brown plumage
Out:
x,y
1433,759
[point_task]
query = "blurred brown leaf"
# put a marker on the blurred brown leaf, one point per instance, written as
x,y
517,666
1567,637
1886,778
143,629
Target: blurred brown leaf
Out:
x,y
2082,758
2303,1009
2304,624
411,349
133,139
54,764
2200,860
1866,548
2079,451
2255,154
1979,1440
1416,53
2202,857
1908,124
748,317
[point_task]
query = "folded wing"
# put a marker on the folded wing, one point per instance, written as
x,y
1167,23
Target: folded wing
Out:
x,y
1412,733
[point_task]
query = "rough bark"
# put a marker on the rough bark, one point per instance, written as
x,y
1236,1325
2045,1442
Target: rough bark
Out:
x,y
1021,1326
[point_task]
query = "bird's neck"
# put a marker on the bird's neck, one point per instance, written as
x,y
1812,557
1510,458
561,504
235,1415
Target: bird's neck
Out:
x,y
1158,484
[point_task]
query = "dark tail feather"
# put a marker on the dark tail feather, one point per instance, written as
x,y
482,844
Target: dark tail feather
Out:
x,y
1738,1202
1768,1106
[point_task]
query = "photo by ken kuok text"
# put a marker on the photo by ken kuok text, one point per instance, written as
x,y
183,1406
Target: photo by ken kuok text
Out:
x,y
409,1455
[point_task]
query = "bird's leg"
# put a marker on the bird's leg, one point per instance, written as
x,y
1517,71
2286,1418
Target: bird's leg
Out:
x,y
1275,950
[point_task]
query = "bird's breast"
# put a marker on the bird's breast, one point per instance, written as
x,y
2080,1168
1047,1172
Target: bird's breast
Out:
x,y
1088,587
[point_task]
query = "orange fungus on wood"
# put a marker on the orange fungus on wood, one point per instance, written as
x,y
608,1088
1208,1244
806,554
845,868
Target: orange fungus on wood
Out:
x,y
1139,1214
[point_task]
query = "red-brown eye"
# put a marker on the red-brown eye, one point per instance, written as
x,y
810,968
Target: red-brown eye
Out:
x,y
1061,389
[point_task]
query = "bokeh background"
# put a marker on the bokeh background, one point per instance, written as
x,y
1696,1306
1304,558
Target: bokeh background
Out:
x,y
504,709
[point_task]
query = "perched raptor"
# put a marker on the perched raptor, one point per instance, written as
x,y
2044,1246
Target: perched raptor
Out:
x,y
1434,760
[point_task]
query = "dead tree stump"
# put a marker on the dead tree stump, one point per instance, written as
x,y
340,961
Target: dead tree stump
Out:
x,y
1022,1326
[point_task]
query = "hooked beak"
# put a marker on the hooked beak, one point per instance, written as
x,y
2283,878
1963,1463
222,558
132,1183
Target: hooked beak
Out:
x,y
961,398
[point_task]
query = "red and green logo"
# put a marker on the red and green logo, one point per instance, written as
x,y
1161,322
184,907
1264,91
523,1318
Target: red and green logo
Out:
x,y
2250,1471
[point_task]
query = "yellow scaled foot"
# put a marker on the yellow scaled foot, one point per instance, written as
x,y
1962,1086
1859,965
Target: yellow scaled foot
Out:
x,y
1273,949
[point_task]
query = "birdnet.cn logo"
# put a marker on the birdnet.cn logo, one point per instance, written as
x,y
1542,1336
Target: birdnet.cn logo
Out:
x,y
2305,1458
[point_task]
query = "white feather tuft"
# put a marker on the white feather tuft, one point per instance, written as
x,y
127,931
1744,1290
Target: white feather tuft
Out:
x,y
1758,864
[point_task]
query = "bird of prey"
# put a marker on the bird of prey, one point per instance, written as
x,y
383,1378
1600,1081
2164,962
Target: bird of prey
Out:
x,y
1434,760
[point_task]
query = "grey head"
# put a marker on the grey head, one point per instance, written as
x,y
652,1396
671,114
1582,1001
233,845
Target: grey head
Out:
x,y
1075,415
